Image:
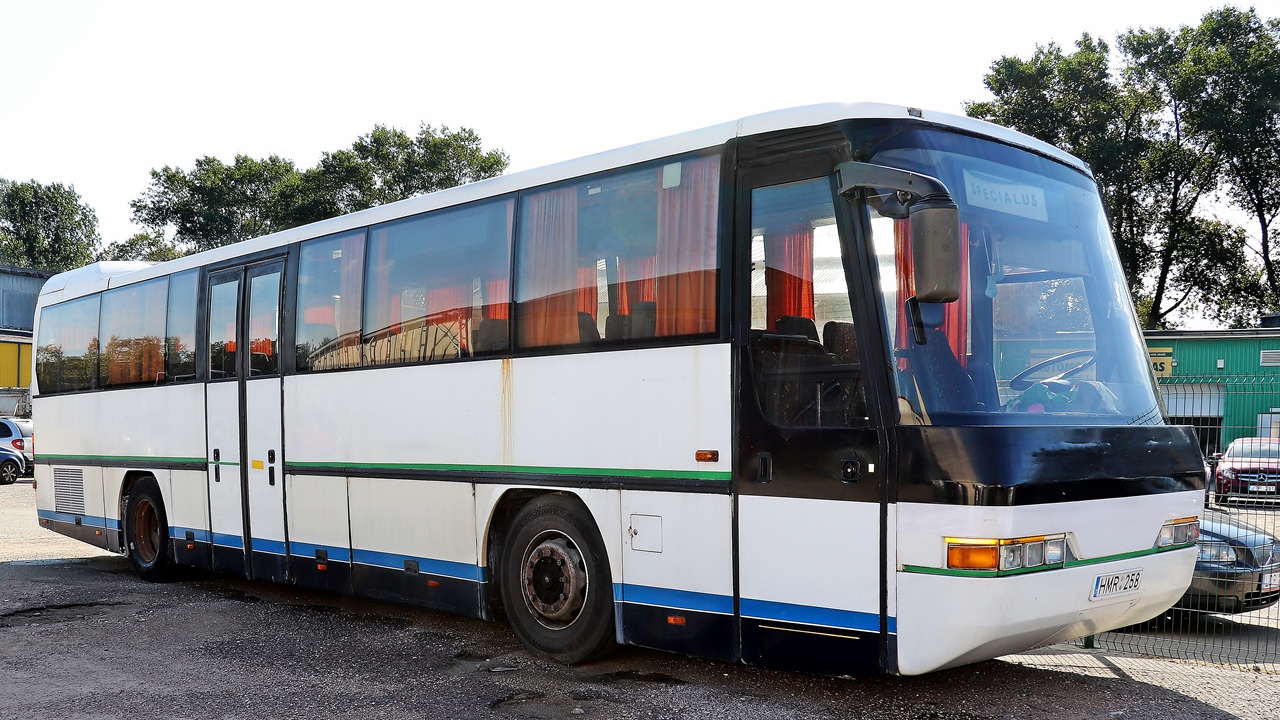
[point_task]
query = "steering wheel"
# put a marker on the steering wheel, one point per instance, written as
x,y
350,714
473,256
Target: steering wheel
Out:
x,y
1022,382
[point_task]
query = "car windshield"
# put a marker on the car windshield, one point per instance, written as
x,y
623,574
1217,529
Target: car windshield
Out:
x,y
1044,331
1254,448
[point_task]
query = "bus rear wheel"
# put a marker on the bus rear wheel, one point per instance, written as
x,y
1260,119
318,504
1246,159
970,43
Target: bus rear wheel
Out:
x,y
556,587
146,529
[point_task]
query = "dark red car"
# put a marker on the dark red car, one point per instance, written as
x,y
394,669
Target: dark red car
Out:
x,y
1249,469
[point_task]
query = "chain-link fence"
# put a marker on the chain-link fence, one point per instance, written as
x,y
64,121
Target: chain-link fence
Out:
x,y
1231,612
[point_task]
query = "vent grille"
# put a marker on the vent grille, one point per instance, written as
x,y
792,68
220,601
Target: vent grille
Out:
x,y
796,139
1270,358
68,490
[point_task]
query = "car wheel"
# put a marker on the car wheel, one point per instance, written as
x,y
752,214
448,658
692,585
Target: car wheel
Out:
x,y
556,587
146,530
9,472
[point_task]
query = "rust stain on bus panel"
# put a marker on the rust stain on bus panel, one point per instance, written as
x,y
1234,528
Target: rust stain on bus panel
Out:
x,y
504,412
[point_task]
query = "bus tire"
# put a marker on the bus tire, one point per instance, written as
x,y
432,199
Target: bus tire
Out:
x,y
146,529
9,472
557,590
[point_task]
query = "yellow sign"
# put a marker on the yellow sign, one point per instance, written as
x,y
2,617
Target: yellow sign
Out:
x,y
257,465
1161,361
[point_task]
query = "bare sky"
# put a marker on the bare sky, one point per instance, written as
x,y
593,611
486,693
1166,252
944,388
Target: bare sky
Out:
x,y
97,94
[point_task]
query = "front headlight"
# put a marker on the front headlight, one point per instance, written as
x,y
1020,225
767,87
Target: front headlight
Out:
x,y
1217,552
1229,473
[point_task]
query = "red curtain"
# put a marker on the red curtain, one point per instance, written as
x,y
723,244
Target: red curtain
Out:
x,y
788,275
588,291
496,297
685,265
635,275
956,323
448,304
549,268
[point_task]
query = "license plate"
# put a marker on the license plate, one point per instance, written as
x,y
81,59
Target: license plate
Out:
x,y
1262,488
1113,584
1270,581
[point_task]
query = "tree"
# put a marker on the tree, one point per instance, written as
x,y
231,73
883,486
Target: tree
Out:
x,y
152,247
45,227
216,204
1234,82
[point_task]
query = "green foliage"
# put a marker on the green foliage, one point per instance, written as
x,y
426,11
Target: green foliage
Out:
x,y
152,247
216,204
45,227
1188,111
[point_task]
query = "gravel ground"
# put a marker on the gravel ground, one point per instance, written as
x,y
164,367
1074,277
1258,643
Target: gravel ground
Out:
x,y
82,637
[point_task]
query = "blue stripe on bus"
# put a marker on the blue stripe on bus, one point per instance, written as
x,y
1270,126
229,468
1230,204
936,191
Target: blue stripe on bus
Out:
x,y
180,533
806,615
675,599
307,550
85,520
225,540
444,568
274,547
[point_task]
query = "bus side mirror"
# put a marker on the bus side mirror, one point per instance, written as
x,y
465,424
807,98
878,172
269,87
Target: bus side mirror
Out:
x,y
935,224
935,249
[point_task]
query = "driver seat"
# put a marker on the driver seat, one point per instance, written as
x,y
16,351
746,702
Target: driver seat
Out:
x,y
944,384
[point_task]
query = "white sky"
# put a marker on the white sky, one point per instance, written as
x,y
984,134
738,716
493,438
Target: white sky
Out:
x,y
95,95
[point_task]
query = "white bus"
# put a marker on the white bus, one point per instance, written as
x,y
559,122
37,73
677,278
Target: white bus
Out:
x,y
845,388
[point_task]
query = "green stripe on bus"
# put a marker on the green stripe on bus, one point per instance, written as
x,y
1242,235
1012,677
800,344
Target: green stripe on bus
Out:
x,y
72,459
520,469
952,572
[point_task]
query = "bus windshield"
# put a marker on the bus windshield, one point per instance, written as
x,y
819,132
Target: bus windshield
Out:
x,y
1044,331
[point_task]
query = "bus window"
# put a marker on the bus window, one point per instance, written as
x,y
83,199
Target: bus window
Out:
x,y
180,342
330,283
620,257
67,348
222,329
435,282
132,331
802,333
264,324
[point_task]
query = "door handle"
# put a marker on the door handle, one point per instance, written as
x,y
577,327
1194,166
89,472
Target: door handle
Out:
x,y
271,475
764,467
217,469
850,469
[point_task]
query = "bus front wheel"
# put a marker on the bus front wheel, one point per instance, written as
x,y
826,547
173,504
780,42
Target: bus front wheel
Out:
x,y
556,587
146,529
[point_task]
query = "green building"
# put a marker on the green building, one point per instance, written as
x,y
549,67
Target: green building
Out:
x,y
1225,383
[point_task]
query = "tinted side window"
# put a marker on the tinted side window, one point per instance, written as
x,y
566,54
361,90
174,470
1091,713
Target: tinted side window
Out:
x,y
436,285
180,337
5,432
330,278
133,320
67,346
620,257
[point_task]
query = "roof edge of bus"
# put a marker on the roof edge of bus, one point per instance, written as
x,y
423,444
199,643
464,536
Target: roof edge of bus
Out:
x,y
92,278
798,117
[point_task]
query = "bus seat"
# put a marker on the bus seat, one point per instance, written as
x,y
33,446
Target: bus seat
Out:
x,y
644,319
490,336
839,340
616,327
944,384
587,330
799,326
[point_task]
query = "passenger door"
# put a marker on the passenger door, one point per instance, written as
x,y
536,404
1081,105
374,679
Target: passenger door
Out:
x,y
246,488
810,461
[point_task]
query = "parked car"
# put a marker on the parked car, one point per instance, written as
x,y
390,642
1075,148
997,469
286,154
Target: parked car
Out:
x,y
12,465
1238,569
1249,469
17,434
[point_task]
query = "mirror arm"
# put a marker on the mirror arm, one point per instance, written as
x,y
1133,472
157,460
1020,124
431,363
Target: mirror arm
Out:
x,y
853,175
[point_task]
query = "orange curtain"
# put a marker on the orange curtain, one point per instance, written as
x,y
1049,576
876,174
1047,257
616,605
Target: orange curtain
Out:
x,y
686,261
588,291
788,275
548,315
635,275
496,298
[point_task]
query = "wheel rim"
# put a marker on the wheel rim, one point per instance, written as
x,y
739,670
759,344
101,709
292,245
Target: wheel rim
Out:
x,y
554,580
146,532
9,472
